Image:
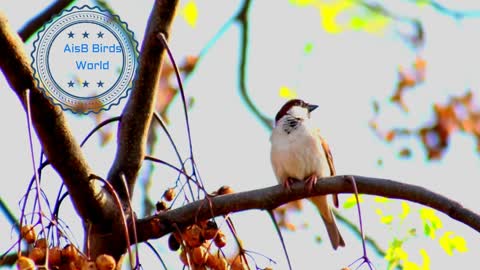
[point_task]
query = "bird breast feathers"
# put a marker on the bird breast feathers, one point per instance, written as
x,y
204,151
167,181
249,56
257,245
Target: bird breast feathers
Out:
x,y
298,155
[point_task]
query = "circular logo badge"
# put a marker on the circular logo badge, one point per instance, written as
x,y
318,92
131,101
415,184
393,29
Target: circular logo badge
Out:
x,y
85,60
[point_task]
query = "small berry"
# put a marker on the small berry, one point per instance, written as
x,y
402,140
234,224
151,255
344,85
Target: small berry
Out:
x,y
173,243
161,206
220,239
105,262
28,233
41,243
25,263
225,190
69,253
200,255
169,194
210,230
193,236
54,256
88,265
37,255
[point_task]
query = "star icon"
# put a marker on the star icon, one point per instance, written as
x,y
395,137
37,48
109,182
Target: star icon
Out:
x,y
85,34
85,83
100,84
100,34
70,83
70,34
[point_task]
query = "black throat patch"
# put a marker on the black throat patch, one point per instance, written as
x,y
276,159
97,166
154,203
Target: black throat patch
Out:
x,y
291,123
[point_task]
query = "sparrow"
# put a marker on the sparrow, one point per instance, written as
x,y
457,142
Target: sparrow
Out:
x,y
299,153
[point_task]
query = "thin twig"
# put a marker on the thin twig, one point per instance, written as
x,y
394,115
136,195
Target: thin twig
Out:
x,y
280,236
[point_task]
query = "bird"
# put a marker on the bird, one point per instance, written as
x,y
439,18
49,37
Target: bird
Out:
x,y
299,153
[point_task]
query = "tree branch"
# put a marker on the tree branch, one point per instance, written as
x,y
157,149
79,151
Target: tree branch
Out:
x,y
242,19
272,197
50,125
34,24
137,114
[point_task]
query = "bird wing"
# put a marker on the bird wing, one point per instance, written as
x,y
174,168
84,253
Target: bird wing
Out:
x,y
329,156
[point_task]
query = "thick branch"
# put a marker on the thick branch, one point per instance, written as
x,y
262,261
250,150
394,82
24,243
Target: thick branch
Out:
x,y
34,24
50,125
133,131
272,197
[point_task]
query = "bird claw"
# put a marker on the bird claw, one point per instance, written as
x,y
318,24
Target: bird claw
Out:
x,y
287,183
310,182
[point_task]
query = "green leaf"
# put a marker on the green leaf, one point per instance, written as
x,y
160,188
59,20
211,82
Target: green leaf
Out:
x,y
357,22
395,253
308,48
431,222
427,230
351,201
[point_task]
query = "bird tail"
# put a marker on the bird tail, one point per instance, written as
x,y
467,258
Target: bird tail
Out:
x,y
327,215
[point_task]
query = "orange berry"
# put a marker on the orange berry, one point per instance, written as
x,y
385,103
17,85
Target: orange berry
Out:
x,y
37,255
54,256
169,194
220,239
41,243
88,265
105,262
225,190
212,261
193,236
200,255
25,263
28,233
222,264
69,253
210,230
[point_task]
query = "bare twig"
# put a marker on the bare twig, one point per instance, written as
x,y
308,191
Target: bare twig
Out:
x,y
280,236
42,18
50,125
272,197
242,19
137,114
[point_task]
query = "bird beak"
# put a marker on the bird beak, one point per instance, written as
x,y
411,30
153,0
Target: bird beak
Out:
x,y
311,107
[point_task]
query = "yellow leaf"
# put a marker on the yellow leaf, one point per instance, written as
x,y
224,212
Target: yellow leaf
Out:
x,y
190,13
388,219
428,216
405,210
351,201
380,199
408,265
301,3
287,93
449,244
460,244
426,259
329,12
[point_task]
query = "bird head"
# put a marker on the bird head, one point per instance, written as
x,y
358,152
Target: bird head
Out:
x,y
295,108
